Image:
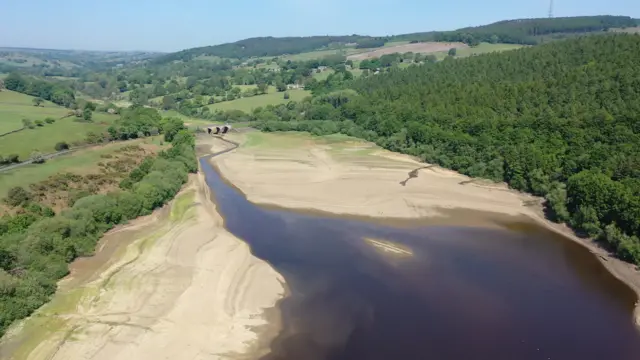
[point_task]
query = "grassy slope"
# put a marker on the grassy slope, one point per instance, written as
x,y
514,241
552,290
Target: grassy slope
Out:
x,y
45,138
82,161
15,106
270,89
250,103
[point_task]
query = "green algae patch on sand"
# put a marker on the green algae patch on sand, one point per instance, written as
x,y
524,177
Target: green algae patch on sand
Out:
x,y
181,205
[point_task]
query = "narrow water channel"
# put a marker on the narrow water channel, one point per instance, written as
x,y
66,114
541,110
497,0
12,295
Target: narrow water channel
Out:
x,y
513,291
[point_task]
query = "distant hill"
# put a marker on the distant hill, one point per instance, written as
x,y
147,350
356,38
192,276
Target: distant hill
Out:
x,y
523,31
72,63
264,46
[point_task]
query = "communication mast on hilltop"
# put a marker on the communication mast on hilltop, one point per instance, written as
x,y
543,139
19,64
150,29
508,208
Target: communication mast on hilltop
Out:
x,y
550,8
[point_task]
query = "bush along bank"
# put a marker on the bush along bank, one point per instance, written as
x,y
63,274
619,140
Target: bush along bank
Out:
x,y
36,245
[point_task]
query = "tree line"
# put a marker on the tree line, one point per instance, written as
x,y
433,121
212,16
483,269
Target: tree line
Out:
x,y
261,46
560,120
46,90
37,244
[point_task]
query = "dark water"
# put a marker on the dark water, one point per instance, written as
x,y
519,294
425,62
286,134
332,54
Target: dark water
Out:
x,y
510,292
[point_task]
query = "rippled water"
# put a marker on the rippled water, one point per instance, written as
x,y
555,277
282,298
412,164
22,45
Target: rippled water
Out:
x,y
511,290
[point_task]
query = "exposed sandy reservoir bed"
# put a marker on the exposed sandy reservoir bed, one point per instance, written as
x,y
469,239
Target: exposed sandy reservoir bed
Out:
x,y
181,288
343,175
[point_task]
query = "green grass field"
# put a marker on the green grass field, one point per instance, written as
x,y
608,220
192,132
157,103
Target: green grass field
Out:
x,y
44,139
250,103
82,161
15,106
270,89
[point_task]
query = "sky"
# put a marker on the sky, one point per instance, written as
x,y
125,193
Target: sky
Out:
x,y
171,25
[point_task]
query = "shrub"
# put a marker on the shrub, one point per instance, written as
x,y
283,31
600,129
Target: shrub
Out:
x,y
62,146
39,123
49,120
17,196
37,158
13,158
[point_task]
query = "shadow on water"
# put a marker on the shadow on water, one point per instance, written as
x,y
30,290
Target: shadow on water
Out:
x,y
511,292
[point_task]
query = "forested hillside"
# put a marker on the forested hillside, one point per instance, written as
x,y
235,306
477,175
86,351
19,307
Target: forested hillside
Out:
x,y
524,31
262,46
560,120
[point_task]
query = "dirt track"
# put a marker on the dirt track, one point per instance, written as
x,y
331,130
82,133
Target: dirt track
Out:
x,y
422,48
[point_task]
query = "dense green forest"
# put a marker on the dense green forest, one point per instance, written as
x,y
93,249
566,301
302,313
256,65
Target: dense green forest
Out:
x,y
560,120
36,244
524,31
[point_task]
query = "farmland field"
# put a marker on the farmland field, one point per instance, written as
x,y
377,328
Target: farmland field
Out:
x,y
319,54
270,90
424,48
250,103
485,48
15,106
81,162
631,30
